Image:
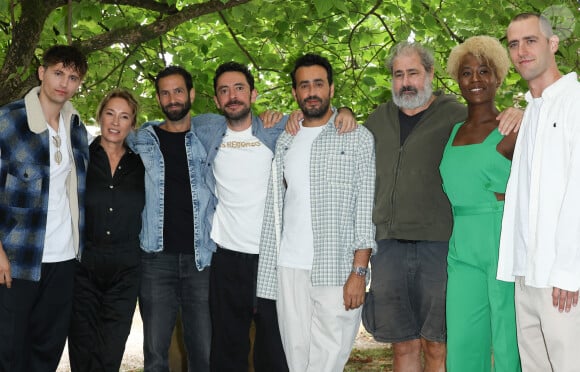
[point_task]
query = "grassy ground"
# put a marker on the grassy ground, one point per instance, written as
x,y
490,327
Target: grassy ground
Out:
x,y
375,360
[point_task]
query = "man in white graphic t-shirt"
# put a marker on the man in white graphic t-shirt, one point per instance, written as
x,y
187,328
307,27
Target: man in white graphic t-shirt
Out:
x,y
240,151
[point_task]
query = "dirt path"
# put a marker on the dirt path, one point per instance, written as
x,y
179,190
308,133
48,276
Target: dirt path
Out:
x,y
133,358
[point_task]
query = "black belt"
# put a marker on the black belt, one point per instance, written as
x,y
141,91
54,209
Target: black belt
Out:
x,y
405,241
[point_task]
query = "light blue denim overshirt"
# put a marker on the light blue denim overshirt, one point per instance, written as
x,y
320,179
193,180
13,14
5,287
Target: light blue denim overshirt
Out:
x,y
211,129
146,144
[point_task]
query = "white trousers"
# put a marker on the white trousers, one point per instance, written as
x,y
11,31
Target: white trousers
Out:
x,y
317,332
547,339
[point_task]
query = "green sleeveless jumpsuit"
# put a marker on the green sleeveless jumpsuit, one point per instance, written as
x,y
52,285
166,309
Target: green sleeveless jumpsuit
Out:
x,y
480,316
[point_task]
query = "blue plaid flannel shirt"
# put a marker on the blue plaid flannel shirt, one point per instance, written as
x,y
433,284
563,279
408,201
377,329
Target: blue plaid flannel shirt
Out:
x,y
25,178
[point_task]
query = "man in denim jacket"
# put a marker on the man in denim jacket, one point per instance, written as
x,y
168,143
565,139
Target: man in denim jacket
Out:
x,y
175,239
240,151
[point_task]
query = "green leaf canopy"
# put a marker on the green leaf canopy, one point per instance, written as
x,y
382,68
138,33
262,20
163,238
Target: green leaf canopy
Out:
x,y
129,41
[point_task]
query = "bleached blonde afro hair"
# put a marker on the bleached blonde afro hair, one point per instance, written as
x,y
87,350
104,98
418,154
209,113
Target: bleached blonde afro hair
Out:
x,y
484,48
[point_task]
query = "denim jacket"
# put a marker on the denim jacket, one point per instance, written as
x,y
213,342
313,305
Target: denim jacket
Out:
x,y
211,128
146,144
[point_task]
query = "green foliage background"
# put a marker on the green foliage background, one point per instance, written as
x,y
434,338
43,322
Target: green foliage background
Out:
x,y
267,35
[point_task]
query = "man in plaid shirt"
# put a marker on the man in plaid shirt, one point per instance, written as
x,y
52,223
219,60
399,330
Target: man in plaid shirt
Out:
x,y
44,155
317,232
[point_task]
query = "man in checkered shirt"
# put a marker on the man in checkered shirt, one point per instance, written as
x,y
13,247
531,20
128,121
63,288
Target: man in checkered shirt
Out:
x,y
317,233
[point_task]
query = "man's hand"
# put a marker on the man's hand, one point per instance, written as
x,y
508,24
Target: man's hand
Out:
x,y
270,118
510,120
293,123
354,292
5,277
345,121
564,300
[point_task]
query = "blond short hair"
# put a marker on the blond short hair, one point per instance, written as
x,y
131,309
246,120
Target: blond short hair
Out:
x,y
484,48
119,93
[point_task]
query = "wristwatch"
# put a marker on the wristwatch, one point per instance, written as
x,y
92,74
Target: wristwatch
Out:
x,y
359,270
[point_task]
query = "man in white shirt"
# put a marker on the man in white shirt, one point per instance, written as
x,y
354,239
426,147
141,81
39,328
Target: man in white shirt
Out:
x,y
540,241
44,157
240,151
317,233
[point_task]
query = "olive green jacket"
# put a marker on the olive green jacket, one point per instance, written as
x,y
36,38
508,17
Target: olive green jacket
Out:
x,y
409,200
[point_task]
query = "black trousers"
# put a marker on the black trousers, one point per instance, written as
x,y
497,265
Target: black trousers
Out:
x,y
105,298
34,319
233,304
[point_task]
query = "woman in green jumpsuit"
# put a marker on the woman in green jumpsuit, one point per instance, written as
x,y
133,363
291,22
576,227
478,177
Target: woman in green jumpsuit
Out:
x,y
481,324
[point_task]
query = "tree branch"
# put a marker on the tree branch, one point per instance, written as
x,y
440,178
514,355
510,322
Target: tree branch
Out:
x,y
351,35
18,72
25,35
237,41
145,4
137,34
444,25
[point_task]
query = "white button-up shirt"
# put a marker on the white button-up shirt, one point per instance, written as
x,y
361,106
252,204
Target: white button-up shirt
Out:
x,y
544,244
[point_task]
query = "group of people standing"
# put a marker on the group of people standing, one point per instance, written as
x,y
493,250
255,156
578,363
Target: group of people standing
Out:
x,y
446,174
228,219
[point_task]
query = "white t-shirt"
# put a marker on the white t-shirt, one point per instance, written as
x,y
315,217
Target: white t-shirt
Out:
x,y
297,244
58,242
242,170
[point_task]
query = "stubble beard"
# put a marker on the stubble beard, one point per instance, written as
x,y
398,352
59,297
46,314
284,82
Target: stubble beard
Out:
x,y
238,116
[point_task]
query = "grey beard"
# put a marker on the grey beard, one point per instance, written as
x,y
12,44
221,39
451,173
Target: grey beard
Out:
x,y
416,101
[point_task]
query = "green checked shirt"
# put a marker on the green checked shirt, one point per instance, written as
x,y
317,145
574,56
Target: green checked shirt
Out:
x,y
342,182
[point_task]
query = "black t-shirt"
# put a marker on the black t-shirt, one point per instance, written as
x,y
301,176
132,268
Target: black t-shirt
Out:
x,y
178,231
407,124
